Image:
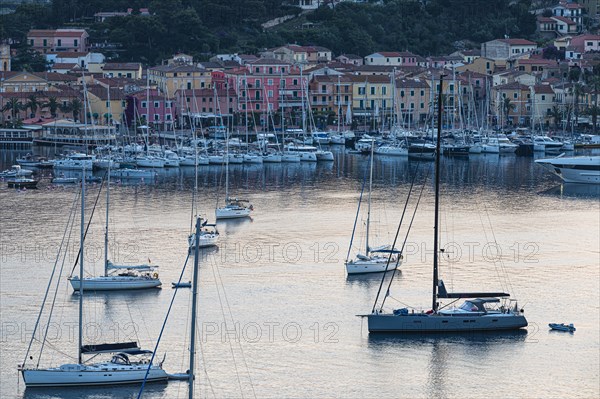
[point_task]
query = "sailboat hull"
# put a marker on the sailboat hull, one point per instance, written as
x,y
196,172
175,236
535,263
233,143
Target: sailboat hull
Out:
x,y
429,323
370,266
105,374
228,213
113,283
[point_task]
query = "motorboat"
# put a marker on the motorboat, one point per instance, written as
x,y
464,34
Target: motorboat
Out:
x,y
546,144
562,327
582,169
392,150
16,171
34,161
77,161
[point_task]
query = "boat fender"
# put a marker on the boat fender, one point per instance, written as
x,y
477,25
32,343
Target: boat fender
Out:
x,y
155,275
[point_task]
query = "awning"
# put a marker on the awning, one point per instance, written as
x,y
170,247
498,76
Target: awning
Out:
x,y
110,348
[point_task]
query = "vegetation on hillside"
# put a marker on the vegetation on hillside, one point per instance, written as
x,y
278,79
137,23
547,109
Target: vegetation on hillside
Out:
x,y
202,27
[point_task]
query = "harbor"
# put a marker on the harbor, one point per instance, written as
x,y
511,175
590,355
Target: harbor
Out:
x,y
278,290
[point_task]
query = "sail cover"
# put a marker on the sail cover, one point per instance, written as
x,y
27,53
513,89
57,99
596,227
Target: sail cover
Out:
x,y
110,348
442,293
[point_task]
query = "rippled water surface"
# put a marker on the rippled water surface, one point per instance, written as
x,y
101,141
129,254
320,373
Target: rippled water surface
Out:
x,y
277,313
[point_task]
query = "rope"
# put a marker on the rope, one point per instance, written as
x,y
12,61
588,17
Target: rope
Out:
x,y
162,329
71,216
362,190
405,238
239,343
396,237
88,224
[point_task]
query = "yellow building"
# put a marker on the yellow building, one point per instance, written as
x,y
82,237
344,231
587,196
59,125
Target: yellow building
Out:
x,y
15,82
132,70
511,104
372,96
107,106
170,78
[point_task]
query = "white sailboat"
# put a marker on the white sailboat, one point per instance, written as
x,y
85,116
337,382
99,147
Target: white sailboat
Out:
x,y
129,363
482,311
117,277
234,208
374,260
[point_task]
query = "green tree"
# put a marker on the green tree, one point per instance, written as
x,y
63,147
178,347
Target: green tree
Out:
x,y
507,107
52,104
32,104
15,107
556,114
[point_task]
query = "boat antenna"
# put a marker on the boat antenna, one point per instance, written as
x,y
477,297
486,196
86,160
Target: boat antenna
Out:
x,y
434,305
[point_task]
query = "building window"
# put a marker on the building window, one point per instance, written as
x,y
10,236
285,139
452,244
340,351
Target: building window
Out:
x,y
156,117
144,104
107,104
270,82
75,43
59,42
422,105
372,90
45,42
156,104
258,106
257,70
295,82
412,93
270,93
543,97
515,95
383,90
270,70
168,117
257,83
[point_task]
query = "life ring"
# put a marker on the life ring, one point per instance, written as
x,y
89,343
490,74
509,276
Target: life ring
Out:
x,y
155,275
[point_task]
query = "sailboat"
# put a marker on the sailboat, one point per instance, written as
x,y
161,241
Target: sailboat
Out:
x,y
234,208
129,363
374,260
118,277
481,311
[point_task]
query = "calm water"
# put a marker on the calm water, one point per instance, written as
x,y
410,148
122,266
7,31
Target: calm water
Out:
x,y
277,312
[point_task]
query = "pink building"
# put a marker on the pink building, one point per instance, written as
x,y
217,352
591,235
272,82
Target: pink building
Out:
x,y
152,107
45,41
206,103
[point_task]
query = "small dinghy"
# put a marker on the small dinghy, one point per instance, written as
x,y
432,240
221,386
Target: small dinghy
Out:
x,y
183,284
562,327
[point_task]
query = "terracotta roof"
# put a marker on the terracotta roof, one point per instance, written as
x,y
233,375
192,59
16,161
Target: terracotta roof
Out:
x,y
543,89
512,86
517,42
370,78
412,84
177,68
61,65
102,93
268,61
388,54
351,56
121,66
566,20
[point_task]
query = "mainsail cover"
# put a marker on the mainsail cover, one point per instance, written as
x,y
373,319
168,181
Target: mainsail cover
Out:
x,y
442,293
110,348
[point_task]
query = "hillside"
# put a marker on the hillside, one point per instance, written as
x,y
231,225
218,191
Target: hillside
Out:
x,y
204,27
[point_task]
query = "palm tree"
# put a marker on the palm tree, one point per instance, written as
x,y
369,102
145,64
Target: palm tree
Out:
x,y
507,106
14,106
52,104
593,111
75,108
32,104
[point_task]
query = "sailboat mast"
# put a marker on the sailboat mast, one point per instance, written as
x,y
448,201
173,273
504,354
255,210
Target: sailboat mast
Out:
x,y
226,166
191,375
434,305
106,227
369,199
81,256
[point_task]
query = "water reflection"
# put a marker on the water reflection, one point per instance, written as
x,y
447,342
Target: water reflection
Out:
x,y
574,190
156,389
